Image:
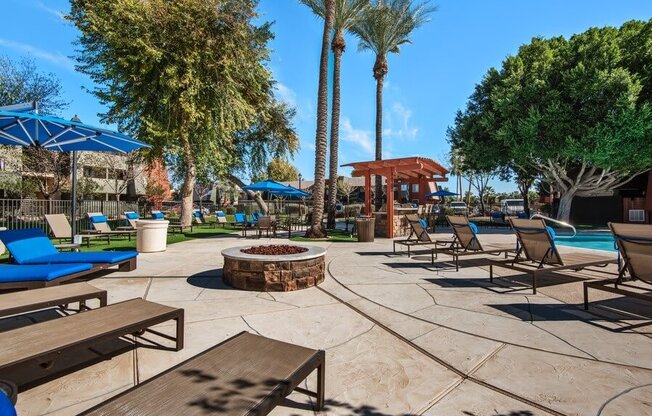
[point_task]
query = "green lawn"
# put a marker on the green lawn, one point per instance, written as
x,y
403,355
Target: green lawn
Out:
x,y
334,236
120,243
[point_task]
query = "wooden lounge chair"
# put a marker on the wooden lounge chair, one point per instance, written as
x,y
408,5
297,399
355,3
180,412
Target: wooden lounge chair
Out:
x,y
220,219
32,246
466,242
540,254
44,341
14,276
198,219
418,235
635,247
131,217
32,300
244,375
266,224
100,223
174,227
62,230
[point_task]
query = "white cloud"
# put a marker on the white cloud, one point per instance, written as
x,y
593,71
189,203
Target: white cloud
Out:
x,y
55,58
403,114
361,138
284,93
56,13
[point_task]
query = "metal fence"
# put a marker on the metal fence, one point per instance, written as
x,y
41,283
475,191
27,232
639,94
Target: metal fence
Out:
x,y
30,213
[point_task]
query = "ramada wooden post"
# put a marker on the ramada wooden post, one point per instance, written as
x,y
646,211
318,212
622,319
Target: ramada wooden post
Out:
x,y
367,193
390,203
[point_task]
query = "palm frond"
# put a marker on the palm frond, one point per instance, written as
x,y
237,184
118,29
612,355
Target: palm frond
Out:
x,y
388,24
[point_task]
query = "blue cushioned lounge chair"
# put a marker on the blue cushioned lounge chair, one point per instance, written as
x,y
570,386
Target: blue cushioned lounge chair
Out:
x,y
14,276
32,246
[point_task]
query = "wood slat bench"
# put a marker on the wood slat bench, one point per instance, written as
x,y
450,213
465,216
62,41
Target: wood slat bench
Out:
x,y
244,375
32,300
44,341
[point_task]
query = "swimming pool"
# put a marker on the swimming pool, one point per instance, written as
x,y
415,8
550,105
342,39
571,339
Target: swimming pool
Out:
x,y
594,241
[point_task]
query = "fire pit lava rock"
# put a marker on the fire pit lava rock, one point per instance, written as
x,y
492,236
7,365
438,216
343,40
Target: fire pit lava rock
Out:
x,y
274,268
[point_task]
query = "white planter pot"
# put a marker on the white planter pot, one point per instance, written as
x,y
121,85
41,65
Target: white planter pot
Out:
x,y
151,235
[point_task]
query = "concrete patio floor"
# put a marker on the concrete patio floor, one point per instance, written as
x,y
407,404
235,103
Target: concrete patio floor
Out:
x,y
401,336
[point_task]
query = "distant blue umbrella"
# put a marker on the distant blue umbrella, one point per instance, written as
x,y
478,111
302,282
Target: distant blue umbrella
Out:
x,y
52,133
441,193
294,192
267,186
276,188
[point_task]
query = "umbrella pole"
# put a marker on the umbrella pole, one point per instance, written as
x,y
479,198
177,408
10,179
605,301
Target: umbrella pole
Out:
x,y
73,215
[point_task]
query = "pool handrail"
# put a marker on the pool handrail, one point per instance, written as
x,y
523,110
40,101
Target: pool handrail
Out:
x,y
561,223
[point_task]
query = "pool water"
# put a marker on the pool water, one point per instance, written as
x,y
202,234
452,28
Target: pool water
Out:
x,y
594,241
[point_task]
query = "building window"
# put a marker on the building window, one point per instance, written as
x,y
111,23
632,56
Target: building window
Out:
x,y
94,172
415,188
120,174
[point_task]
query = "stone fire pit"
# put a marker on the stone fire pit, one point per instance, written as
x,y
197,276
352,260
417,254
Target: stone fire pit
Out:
x,y
274,273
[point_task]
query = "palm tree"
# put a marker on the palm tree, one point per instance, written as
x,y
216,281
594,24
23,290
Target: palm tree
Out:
x,y
384,28
315,229
347,14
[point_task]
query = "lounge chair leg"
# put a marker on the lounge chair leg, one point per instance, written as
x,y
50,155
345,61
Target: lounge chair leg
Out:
x,y
409,255
103,299
128,266
491,273
457,263
534,283
586,296
321,382
180,334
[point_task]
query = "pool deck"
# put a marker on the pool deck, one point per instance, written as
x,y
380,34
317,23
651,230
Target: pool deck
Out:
x,y
402,336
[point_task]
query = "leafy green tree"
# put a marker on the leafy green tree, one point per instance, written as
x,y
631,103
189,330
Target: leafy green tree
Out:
x,y
384,28
20,81
575,112
316,227
184,75
347,14
281,170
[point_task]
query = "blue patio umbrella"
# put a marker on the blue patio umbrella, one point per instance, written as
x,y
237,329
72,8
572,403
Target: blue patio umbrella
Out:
x,y
441,193
276,188
28,129
294,192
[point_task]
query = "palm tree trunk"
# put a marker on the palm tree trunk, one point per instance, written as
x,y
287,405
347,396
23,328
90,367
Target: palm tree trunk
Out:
x,y
379,139
335,127
315,230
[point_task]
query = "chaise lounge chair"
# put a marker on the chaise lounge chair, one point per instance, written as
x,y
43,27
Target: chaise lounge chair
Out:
x,y
44,341
537,245
244,375
14,276
131,217
62,230
100,223
418,235
158,215
32,246
634,243
32,300
466,242
220,219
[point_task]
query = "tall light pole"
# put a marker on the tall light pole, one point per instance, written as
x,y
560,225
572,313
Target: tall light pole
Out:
x,y
300,177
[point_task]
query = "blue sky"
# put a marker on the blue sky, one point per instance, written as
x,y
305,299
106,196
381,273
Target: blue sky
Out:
x,y
427,82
